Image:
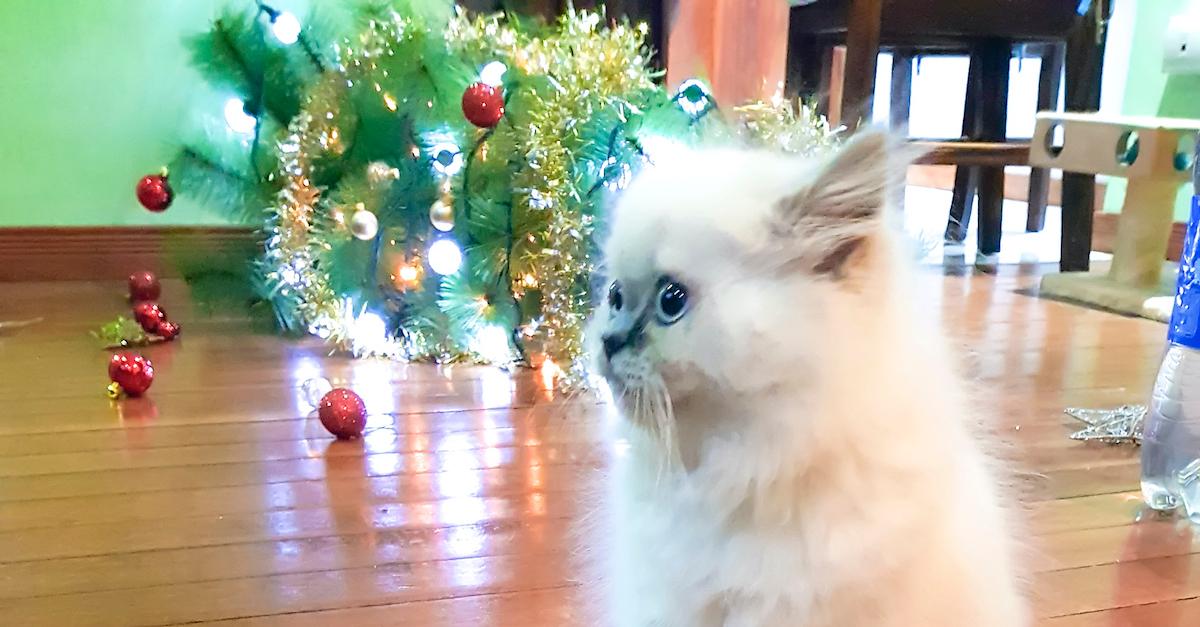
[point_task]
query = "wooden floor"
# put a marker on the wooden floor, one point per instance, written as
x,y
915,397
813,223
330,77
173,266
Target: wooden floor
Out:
x,y
215,500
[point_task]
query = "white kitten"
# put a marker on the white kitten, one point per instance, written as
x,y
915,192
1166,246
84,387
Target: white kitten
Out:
x,y
800,447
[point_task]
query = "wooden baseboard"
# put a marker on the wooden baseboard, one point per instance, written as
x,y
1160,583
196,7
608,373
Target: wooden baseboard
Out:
x,y
112,253
99,253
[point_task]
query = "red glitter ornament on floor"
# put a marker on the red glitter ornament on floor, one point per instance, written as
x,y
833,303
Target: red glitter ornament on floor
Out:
x,y
149,316
155,193
133,373
343,413
144,286
168,330
483,105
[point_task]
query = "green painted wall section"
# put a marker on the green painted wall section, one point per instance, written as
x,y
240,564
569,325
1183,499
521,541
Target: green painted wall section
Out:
x,y
1149,91
93,95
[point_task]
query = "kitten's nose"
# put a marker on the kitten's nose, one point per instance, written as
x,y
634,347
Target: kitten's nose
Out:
x,y
612,343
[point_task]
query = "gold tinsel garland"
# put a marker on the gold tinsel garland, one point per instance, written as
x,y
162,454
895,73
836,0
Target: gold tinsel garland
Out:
x,y
589,68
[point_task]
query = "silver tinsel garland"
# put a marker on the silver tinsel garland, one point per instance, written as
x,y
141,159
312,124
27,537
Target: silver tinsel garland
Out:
x,y
1111,426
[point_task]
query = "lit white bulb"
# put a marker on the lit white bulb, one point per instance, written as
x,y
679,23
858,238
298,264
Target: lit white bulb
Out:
x,y
493,74
370,326
286,28
692,97
236,117
453,165
491,343
445,257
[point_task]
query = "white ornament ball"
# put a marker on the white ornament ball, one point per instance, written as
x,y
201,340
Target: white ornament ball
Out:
x,y
364,225
441,216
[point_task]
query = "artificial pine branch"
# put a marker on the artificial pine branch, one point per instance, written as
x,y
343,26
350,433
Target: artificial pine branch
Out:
x,y
216,55
212,183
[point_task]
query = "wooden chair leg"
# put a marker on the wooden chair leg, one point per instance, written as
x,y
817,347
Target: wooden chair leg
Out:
x,y
962,199
1049,80
862,55
1084,61
900,106
804,57
993,120
966,178
833,76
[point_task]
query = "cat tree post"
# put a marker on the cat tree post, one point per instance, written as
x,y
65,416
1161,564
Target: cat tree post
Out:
x,y
1146,152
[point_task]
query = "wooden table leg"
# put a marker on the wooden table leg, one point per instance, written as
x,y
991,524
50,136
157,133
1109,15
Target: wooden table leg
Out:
x,y
1049,79
862,55
994,56
1084,62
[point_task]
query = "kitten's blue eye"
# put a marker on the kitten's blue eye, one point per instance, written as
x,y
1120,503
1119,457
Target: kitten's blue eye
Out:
x,y
672,302
615,299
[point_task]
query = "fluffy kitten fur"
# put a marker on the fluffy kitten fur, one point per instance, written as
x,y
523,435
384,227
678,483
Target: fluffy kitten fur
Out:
x,y
801,451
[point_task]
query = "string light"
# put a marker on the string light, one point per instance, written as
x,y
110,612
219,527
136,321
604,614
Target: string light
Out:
x,y
236,117
445,257
286,28
493,74
447,158
408,273
491,343
693,97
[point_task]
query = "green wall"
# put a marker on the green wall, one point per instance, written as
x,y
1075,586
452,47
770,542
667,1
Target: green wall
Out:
x,y
93,95
1148,91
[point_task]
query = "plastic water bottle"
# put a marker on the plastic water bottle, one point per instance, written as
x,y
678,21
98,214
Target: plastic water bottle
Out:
x,y
1171,434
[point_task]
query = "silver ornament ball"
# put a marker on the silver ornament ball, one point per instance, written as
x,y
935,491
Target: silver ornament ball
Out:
x,y
441,215
315,389
364,225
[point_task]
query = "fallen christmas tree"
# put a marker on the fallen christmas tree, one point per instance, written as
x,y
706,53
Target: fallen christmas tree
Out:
x,y
433,186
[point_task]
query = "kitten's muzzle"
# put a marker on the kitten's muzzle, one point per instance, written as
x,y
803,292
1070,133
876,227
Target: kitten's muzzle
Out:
x,y
613,343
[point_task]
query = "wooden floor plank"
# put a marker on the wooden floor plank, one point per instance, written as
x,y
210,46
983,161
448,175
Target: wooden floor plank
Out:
x,y
217,499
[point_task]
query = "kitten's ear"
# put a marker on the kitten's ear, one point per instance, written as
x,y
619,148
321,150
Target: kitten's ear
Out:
x,y
829,218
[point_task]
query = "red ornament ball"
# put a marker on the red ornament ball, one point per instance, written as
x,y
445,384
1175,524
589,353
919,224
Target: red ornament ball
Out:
x,y
154,192
343,413
149,316
483,105
144,286
133,373
168,330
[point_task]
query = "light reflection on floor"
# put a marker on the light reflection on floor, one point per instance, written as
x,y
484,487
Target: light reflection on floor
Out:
x,y
372,380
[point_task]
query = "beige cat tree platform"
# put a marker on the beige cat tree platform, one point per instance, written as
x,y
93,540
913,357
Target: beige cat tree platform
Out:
x,y
1143,151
